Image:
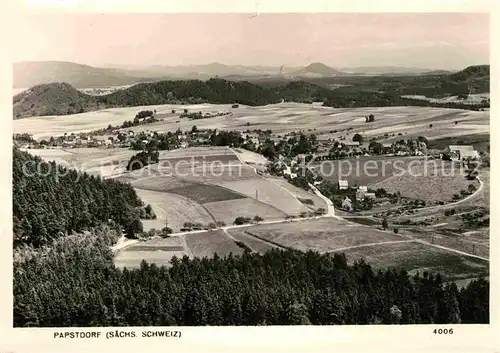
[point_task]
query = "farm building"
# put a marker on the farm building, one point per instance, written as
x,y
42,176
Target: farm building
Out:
x,y
351,143
361,193
343,185
460,152
347,204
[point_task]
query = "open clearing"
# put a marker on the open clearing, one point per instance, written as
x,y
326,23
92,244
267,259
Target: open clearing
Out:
x,y
157,251
415,257
172,208
405,120
323,235
206,244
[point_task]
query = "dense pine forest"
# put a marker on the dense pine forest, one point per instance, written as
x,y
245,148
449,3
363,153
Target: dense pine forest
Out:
x,y
74,283
64,280
50,201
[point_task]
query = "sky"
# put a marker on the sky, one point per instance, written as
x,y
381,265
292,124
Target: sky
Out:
x,y
425,40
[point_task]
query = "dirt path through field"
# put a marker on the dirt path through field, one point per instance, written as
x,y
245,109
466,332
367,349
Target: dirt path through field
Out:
x,y
123,243
235,240
186,247
451,250
370,244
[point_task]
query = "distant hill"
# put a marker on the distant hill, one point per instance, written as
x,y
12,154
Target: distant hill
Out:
x,y
52,99
388,70
472,73
29,74
350,91
317,69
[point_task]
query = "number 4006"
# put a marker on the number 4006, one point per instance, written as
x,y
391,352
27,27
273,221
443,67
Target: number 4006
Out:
x,y
443,331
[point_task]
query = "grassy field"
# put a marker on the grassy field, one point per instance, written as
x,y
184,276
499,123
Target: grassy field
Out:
x,y
323,235
218,174
154,183
250,157
253,243
172,208
280,118
365,170
158,251
481,142
419,257
428,181
203,193
227,211
317,202
269,193
97,161
208,243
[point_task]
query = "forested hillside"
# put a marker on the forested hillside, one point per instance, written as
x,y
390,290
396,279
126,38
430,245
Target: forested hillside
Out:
x,y
216,91
62,99
74,283
50,201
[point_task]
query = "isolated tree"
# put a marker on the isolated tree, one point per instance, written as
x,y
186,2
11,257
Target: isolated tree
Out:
x,y
194,129
185,111
384,223
258,219
357,138
471,188
430,126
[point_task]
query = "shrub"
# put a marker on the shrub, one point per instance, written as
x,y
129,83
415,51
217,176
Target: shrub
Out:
x,y
241,220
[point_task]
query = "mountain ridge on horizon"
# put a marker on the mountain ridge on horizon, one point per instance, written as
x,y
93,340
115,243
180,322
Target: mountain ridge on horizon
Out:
x,y
31,73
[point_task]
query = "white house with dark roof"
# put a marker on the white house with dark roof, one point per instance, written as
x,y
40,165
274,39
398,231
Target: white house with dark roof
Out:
x,y
461,152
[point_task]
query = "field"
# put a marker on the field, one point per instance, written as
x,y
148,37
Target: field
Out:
x,y
202,193
431,181
365,170
208,243
221,193
317,202
227,211
280,118
323,235
174,208
97,161
158,251
268,192
255,244
415,257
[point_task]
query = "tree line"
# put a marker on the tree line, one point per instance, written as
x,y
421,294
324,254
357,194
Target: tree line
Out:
x,y
74,283
50,201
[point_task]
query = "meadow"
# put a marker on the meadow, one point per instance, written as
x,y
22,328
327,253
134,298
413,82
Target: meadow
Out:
x,y
280,118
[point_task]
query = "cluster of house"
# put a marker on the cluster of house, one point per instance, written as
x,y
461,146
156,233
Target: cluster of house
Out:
x,y
361,194
205,115
461,152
